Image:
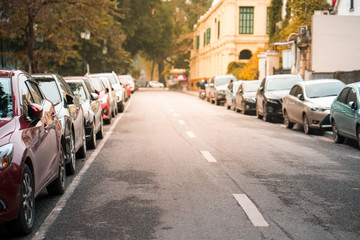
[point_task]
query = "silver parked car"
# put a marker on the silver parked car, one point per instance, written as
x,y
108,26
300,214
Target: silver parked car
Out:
x,y
308,103
215,91
230,95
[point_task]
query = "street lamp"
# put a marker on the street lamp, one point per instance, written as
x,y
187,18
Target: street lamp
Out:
x,y
86,36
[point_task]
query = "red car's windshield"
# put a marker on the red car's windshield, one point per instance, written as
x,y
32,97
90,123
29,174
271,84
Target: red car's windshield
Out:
x,y
6,103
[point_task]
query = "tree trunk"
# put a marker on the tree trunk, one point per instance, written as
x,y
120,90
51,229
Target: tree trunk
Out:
x,y
30,38
161,67
152,70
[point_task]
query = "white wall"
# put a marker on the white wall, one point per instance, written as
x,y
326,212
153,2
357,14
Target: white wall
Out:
x,y
343,8
335,43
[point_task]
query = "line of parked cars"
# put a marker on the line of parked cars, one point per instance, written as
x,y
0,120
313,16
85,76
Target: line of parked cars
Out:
x,y
326,104
47,122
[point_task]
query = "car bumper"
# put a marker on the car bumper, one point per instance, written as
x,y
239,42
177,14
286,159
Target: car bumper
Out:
x,y
320,120
274,109
10,180
249,106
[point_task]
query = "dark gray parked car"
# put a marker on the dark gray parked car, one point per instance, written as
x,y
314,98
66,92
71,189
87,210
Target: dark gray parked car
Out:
x,y
70,114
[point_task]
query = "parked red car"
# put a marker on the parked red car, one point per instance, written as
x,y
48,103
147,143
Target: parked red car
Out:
x,y
124,81
104,97
31,155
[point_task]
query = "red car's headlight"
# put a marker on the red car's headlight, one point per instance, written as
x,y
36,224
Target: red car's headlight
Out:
x,y
6,154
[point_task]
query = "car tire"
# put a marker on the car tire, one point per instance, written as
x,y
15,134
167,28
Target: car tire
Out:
x,y
82,151
71,166
244,109
306,125
287,122
227,106
25,220
121,107
57,187
92,142
100,133
358,136
336,136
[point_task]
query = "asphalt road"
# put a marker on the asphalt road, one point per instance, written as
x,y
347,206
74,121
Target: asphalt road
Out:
x,y
176,167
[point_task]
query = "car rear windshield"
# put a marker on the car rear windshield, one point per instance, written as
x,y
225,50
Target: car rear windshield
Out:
x,y
220,81
78,90
323,89
96,84
251,86
50,89
6,103
109,76
281,83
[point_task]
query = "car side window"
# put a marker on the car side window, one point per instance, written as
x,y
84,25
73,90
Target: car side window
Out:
x,y
35,92
342,95
65,87
299,91
293,90
351,97
26,98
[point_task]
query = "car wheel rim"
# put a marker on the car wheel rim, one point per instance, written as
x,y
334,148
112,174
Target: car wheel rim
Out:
x,y
62,172
73,154
334,131
84,140
306,125
28,199
93,135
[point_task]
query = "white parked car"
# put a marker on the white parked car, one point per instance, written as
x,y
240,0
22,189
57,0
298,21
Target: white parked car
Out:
x,y
155,84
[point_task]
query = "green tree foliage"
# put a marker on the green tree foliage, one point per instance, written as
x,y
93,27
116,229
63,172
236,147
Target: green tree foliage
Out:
x,y
301,14
274,18
46,33
298,13
234,68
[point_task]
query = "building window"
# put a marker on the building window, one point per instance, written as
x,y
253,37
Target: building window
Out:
x,y
245,55
246,20
208,32
197,42
267,20
218,30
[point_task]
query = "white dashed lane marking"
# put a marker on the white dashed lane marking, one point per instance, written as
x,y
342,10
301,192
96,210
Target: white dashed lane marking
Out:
x,y
208,156
191,134
175,114
182,122
251,211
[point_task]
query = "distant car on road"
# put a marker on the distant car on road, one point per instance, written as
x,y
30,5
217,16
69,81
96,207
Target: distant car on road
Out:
x,y
31,153
270,93
345,114
308,103
155,84
245,98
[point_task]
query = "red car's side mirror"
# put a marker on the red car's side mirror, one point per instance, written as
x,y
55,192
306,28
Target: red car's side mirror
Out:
x,y
35,112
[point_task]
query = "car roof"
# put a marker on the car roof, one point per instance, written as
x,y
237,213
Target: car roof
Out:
x,y
319,81
284,76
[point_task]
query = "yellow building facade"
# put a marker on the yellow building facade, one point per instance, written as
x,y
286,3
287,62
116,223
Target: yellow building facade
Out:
x,y
231,30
